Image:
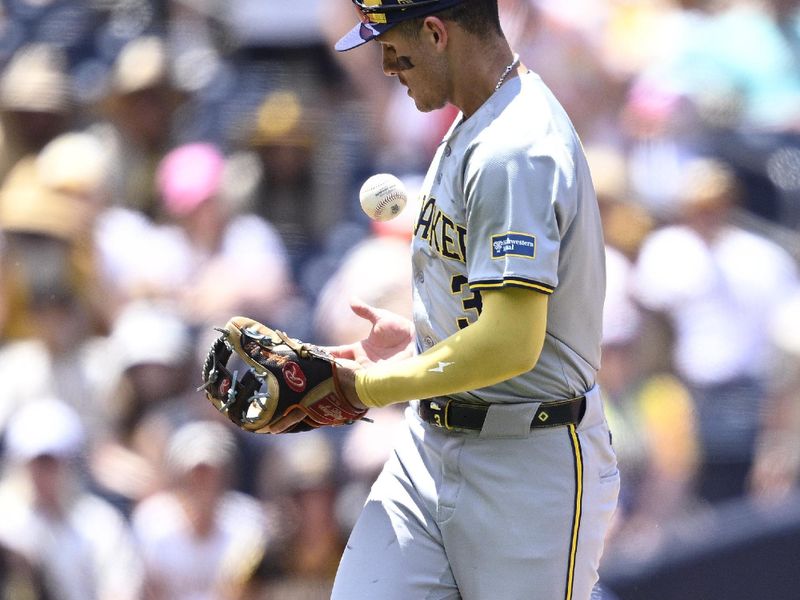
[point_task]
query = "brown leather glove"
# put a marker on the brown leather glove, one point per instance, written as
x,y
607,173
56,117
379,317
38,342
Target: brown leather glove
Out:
x,y
276,375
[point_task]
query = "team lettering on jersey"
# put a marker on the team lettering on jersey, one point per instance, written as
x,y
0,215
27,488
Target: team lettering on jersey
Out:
x,y
445,236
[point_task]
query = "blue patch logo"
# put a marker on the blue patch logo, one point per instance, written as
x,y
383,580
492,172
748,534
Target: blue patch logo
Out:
x,y
513,244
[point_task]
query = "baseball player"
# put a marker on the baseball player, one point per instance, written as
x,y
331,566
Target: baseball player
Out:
x,y
505,481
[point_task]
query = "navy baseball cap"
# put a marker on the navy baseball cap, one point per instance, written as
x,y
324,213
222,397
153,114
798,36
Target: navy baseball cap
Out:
x,y
379,16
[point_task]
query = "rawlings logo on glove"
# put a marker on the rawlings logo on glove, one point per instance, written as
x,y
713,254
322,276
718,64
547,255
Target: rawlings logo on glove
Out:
x,y
278,375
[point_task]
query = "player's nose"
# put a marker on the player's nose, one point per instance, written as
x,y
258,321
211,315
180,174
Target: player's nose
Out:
x,y
389,62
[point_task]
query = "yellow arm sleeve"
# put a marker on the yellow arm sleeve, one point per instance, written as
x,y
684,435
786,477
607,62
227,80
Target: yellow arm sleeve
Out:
x,y
505,341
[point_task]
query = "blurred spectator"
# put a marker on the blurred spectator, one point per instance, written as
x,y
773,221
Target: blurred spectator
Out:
x,y
42,228
234,262
717,283
153,393
52,292
756,83
776,472
636,35
299,193
625,221
198,536
206,255
660,124
300,562
140,106
76,165
82,544
626,224
48,207
560,44
651,415
139,259
727,83
53,360
292,49
36,102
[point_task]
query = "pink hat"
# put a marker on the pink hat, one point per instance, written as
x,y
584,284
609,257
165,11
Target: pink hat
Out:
x,y
188,176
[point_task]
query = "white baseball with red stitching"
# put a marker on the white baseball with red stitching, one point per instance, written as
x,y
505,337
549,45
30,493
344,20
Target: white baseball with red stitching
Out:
x,y
383,197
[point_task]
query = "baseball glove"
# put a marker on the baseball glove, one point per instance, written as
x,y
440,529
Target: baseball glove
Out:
x,y
278,375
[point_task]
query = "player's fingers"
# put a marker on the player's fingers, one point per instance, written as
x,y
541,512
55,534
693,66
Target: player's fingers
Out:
x,y
364,310
346,351
287,421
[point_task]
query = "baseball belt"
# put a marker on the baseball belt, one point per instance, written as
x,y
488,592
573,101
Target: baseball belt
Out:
x,y
447,413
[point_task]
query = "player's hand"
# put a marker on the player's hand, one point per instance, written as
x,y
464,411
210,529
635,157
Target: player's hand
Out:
x,y
391,337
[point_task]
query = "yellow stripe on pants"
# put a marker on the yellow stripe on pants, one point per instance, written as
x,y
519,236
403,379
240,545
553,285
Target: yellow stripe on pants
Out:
x,y
576,523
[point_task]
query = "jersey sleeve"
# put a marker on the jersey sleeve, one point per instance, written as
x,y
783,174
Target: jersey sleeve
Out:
x,y
517,205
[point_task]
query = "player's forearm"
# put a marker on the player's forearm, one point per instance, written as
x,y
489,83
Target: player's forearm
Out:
x,y
504,342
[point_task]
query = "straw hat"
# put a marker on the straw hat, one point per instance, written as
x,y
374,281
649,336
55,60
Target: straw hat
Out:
x,y
27,205
707,183
35,80
74,163
281,120
142,64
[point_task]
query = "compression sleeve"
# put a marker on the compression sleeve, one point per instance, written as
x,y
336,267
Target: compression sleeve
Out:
x,y
503,342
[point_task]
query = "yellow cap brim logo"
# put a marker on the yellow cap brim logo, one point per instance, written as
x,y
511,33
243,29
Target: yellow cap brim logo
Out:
x,y
371,17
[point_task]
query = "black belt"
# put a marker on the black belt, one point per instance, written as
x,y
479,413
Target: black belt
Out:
x,y
453,414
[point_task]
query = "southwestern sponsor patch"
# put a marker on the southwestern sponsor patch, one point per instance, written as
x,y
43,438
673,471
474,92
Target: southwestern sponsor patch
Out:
x,y
513,244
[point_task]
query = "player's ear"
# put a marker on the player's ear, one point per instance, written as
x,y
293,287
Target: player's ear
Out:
x,y
434,31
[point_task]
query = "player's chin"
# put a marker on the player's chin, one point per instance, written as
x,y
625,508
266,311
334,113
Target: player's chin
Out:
x,y
426,104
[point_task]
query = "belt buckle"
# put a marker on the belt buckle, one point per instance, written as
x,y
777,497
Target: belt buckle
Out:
x,y
440,413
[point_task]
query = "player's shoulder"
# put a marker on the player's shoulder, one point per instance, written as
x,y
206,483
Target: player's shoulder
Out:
x,y
529,106
524,117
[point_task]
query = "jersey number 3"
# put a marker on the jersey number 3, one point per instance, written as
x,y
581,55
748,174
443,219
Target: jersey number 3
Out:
x,y
470,300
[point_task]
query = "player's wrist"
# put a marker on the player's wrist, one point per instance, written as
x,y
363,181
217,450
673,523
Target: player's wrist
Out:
x,y
361,387
346,375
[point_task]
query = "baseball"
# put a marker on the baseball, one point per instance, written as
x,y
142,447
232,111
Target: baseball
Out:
x,y
383,197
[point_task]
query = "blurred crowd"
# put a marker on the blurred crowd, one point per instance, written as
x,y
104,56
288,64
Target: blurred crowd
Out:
x,y
166,164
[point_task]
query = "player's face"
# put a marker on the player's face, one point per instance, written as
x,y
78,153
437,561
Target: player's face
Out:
x,y
422,71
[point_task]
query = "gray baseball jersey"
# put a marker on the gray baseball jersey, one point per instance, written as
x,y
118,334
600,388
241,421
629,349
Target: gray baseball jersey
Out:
x,y
508,201
509,511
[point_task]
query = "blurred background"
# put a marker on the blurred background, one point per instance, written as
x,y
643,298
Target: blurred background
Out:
x,y
165,164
